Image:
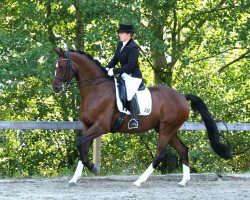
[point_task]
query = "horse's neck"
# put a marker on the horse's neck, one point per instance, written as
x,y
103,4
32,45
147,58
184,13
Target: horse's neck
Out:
x,y
87,76
86,68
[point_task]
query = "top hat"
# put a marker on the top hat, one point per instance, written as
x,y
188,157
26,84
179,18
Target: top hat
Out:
x,y
126,28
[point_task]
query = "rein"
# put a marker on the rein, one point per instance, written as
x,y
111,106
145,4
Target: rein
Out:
x,y
66,79
90,84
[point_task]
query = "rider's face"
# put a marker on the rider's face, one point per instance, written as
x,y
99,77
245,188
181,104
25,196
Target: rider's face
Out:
x,y
124,37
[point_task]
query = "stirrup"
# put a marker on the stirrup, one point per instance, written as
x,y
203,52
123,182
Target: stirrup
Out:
x,y
133,124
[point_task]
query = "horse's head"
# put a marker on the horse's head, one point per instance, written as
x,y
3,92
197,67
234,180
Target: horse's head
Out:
x,y
65,70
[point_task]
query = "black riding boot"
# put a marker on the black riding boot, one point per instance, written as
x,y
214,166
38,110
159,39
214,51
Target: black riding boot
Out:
x,y
134,110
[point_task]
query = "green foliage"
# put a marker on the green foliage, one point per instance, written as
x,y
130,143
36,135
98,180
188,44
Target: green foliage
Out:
x,y
132,152
36,153
188,42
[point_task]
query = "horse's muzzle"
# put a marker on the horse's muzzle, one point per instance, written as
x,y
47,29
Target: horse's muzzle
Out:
x,y
57,89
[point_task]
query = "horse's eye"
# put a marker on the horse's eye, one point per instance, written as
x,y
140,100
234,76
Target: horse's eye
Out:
x,y
60,68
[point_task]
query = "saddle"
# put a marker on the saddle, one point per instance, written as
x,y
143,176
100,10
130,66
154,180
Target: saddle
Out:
x,y
144,101
122,91
143,95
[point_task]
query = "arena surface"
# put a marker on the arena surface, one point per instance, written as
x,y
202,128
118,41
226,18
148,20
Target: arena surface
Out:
x,y
201,186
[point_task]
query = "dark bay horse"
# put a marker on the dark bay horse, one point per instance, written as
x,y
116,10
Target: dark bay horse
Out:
x,y
99,112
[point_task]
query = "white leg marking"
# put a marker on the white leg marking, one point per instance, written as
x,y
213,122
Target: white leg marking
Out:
x,y
78,173
186,175
144,176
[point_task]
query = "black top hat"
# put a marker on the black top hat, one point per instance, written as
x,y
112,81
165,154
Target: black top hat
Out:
x,y
126,28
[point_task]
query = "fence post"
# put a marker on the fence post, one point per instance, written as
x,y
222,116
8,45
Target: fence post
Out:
x,y
97,148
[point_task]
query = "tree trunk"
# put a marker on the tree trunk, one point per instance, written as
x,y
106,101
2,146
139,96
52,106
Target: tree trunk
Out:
x,y
52,37
162,70
79,42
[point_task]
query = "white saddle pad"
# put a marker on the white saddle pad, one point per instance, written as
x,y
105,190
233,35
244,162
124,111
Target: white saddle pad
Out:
x,y
144,101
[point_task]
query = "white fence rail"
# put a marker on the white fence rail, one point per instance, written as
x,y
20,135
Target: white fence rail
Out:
x,y
77,125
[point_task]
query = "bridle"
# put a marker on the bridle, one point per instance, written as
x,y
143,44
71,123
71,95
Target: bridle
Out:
x,y
66,77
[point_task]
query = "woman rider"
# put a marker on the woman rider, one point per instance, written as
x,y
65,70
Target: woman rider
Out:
x,y
126,54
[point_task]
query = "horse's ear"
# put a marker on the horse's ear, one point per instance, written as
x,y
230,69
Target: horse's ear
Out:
x,y
59,52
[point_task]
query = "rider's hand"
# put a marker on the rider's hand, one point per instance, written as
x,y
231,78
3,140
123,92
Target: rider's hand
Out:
x,y
111,72
107,69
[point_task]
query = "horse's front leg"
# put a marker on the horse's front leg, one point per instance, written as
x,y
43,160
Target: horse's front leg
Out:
x,y
83,149
83,145
83,161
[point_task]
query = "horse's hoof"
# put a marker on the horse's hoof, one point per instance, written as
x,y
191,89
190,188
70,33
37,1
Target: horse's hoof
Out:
x,y
183,183
95,171
72,184
137,184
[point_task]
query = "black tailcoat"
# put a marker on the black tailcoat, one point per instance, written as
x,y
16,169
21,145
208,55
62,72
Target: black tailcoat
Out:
x,y
128,58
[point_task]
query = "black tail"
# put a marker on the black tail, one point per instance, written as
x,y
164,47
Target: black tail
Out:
x,y
213,133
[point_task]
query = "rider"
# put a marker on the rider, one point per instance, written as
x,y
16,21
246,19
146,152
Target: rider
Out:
x,y
126,54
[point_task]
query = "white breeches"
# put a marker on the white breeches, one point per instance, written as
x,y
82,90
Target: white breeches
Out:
x,y
132,85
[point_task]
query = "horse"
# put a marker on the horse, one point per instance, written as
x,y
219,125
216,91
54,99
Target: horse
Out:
x,y
99,113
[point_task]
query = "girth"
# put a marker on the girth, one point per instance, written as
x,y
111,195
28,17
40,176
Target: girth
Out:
x,y
118,123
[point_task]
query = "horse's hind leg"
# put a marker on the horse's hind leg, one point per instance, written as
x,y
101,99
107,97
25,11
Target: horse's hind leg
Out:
x,y
182,149
160,155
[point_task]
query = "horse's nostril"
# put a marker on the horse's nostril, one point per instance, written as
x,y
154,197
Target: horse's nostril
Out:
x,y
56,89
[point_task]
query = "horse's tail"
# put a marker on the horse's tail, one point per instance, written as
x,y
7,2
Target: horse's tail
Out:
x,y
197,104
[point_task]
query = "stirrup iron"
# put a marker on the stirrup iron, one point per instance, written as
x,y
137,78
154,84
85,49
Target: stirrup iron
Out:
x,y
133,124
